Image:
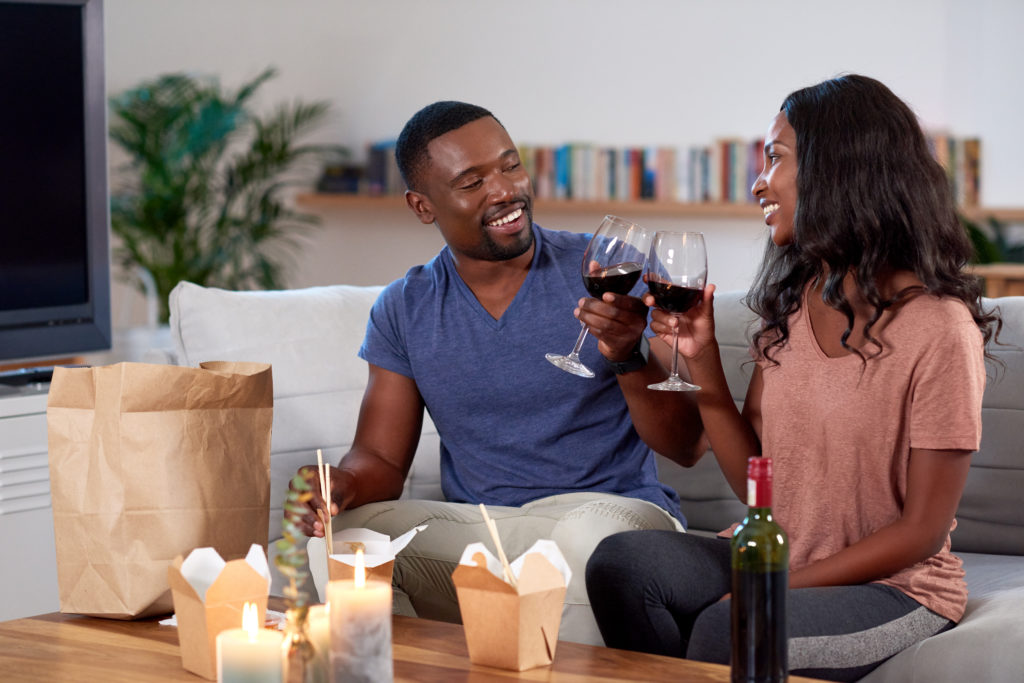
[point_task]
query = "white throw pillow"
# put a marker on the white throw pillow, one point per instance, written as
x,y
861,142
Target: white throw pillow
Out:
x,y
311,338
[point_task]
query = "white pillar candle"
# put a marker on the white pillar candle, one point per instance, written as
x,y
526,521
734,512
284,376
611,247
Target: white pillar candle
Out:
x,y
249,654
320,633
360,629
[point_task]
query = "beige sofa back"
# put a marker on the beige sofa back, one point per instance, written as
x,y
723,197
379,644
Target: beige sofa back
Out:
x,y
311,337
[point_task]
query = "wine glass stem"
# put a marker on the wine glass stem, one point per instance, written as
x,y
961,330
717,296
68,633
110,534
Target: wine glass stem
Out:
x,y
675,351
579,341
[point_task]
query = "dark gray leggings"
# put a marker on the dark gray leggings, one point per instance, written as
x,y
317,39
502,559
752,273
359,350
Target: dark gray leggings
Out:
x,y
659,591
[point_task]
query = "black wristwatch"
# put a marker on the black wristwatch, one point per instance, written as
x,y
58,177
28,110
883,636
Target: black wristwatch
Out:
x,y
637,358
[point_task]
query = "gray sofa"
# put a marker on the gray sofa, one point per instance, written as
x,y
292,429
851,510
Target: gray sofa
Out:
x,y
311,337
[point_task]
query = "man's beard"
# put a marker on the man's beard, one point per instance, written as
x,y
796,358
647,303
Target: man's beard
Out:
x,y
490,250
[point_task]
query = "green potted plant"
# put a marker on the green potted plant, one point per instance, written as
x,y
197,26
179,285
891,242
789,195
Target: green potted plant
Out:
x,y
991,244
201,197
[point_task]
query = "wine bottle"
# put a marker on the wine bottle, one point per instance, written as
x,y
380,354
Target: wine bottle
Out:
x,y
760,577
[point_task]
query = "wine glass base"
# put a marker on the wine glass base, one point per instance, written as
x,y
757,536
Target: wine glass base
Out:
x,y
569,364
673,384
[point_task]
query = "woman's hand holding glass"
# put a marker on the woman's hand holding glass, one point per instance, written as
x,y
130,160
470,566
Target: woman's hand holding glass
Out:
x,y
696,326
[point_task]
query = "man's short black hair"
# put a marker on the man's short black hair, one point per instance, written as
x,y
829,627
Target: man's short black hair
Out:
x,y
428,123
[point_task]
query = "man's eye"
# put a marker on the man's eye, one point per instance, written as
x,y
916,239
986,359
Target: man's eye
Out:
x,y
512,167
472,185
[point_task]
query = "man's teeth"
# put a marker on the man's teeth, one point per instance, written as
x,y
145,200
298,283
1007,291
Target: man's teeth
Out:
x,y
506,219
768,208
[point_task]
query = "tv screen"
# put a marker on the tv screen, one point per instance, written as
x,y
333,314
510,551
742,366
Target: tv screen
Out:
x,y
54,218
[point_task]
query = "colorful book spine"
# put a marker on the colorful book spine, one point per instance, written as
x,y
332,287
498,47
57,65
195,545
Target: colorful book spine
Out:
x,y
723,171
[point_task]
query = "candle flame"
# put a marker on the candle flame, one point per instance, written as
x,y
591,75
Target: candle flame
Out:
x,y
360,570
251,620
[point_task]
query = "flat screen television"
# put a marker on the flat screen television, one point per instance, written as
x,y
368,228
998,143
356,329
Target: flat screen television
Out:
x,y
54,214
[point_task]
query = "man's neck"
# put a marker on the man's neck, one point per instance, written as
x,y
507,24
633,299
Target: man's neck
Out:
x,y
494,283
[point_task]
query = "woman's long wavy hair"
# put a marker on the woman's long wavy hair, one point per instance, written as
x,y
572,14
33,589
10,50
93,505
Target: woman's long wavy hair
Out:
x,y
871,200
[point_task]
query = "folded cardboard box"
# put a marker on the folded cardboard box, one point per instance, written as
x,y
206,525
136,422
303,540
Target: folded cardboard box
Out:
x,y
508,627
209,595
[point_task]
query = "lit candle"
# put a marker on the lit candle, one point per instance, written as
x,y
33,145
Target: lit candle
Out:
x,y
320,633
360,628
249,654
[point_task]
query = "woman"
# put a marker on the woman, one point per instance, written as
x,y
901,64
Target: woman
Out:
x,y
866,393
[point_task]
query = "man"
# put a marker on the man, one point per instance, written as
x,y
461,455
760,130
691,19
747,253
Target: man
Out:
x,y
464,336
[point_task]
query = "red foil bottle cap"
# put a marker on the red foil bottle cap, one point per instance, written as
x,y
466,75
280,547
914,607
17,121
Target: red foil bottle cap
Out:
x,y
759,482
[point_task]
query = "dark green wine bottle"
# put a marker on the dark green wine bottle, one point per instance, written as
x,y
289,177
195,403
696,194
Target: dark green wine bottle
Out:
x,y
760,577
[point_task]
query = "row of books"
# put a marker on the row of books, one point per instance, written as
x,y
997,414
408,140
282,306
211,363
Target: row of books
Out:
x,y
961,157
723,171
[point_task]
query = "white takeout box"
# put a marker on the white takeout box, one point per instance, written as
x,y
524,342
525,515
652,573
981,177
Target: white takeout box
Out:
x,y
209,595
379,553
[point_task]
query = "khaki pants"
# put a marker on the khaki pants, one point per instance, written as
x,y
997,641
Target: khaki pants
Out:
x,y
575,521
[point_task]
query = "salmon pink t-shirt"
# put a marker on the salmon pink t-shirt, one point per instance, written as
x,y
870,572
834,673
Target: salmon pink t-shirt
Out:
x,y
840,431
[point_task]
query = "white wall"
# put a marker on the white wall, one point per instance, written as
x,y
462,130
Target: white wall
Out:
x,y
672,72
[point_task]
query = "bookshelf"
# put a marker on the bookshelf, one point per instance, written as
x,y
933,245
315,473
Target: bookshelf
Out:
x,y
644,207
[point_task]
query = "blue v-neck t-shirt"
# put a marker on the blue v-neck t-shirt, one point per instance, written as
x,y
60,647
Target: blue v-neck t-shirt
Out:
x,y
513,427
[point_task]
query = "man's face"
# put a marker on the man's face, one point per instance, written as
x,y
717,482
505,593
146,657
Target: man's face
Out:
x,y
477,192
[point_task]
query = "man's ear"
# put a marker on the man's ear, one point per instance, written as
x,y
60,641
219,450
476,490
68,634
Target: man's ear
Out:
x,y
420,205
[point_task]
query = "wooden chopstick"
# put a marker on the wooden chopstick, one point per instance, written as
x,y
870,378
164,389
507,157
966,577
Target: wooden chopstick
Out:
x,y
492,527
325,493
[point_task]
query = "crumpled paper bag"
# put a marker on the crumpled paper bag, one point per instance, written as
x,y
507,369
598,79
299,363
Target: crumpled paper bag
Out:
x,y
148,462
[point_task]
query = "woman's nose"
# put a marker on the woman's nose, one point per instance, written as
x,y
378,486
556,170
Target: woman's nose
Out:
x,y
759,185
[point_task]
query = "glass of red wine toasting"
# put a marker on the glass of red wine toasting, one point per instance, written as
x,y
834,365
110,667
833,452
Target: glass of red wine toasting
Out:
x,y
612,262
677,269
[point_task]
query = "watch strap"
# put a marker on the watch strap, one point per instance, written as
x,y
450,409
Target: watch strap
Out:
x,y
637,358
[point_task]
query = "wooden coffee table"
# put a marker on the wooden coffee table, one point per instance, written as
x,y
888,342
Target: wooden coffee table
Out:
x,y
61,647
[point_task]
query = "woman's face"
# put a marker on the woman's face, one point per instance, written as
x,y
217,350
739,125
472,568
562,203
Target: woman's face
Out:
x,y
775,189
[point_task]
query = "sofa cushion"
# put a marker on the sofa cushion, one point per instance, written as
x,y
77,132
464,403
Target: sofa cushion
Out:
x,y
980,647
990,518
311,338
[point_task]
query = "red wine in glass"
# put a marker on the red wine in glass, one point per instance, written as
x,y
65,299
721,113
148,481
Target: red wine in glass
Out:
x,y
677,269
612,262
673,298
617,279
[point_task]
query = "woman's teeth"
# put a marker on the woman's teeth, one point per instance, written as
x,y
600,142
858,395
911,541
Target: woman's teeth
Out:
x,y
506,219
769,208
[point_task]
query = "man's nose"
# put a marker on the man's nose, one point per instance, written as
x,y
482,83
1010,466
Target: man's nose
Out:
x,y
501,189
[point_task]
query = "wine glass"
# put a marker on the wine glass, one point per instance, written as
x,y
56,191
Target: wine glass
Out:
x,y
612,262
677,269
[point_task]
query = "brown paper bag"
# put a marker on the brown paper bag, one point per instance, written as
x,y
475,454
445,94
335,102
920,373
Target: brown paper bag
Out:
x,y
148,462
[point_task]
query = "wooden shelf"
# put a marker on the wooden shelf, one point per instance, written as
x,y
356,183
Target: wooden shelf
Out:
x,y
634,208
1005,214
313,200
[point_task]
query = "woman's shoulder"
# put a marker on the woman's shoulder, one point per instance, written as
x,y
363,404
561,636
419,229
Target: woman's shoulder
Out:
x,y
938,323
924,306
